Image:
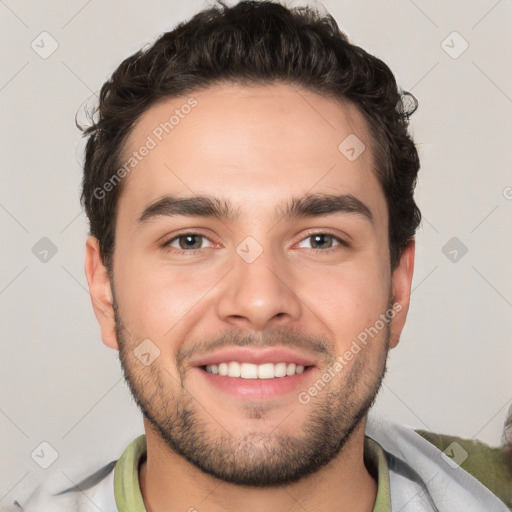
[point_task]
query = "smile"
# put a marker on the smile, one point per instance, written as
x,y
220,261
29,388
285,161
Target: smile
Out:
x,y
254,371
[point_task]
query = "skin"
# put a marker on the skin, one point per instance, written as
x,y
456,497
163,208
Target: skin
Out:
x,y
257,146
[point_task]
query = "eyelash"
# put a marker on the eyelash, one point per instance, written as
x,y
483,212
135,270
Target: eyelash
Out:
x,y
166,245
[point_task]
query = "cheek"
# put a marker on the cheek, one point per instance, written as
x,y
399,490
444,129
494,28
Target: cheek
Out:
x,y
159,302
348,301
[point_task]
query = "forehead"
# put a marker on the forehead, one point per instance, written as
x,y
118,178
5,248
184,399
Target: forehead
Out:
x,y
255,145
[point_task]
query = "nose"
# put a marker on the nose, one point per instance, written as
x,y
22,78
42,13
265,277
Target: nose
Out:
x,y
259,294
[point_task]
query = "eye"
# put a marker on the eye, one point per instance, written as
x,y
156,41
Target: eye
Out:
x,y
186,243
323,242
191,243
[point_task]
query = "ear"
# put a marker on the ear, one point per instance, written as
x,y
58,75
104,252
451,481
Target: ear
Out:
x,y
100,291
401,280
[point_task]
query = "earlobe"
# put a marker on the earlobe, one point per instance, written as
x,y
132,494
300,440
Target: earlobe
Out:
x,y
100,292
401,281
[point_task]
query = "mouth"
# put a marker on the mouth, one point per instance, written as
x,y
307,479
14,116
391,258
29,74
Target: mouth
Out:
x,y
249,373
236,369
256,382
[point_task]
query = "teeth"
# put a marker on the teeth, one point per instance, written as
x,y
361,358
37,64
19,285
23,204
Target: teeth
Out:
x,y
266,371
255,371
233,369
280,370
248,371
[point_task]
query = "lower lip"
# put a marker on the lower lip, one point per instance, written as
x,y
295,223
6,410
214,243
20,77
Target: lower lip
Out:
x,y
258,388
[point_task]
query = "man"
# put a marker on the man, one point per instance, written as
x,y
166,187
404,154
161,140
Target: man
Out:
x,y
223,159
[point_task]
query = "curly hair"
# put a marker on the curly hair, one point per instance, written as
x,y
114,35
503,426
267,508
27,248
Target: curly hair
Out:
x,y
254,42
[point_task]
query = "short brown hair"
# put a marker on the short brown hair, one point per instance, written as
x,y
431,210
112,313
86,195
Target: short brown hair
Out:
x,y
254,43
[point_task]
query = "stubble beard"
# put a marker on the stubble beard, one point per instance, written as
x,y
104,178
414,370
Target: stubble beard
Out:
x,y
254,458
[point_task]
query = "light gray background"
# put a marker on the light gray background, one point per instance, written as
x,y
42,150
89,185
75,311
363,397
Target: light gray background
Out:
x,y
451,372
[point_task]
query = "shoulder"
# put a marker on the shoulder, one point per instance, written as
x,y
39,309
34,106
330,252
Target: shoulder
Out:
x,y
59,494
486,463
436,469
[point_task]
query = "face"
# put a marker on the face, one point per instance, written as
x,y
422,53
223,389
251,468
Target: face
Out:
x,y
248,242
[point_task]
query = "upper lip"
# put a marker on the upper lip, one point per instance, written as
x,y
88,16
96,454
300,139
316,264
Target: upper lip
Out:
x,y
254,356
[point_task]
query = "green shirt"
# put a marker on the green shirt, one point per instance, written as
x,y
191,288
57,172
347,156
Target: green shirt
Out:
x,y
129,498
486,464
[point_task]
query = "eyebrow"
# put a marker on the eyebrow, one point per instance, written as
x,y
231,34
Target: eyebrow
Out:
x,y
309,205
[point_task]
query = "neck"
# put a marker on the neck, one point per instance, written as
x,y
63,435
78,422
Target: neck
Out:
x,y
169,481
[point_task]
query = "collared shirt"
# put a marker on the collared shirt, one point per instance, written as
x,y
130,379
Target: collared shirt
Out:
x,y
415,471
129,498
